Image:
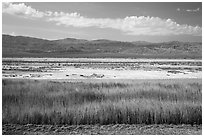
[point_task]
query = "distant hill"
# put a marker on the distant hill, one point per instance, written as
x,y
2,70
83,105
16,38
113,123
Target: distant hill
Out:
x,y
141,42
20,46
70,41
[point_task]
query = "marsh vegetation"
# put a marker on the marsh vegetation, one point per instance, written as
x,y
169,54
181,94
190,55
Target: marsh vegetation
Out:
x,y
79,103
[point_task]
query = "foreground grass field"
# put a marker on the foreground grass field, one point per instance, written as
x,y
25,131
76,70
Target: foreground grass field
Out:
x,y
71,103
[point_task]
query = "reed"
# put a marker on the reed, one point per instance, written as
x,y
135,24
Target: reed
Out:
x,y
47,102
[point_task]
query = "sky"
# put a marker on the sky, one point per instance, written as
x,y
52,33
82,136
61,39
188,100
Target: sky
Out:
x,y
122,21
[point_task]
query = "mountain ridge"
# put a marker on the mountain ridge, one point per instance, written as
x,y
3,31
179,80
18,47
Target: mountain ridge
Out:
x,y
24,46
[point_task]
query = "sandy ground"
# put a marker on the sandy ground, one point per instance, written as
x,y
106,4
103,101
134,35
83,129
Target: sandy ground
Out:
x,y
88,73
76,73
75,68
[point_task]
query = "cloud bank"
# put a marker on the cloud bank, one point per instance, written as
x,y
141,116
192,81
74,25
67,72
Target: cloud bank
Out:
x,y
130,25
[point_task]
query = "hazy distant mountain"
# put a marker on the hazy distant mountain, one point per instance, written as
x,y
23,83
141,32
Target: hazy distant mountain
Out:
x,y
20,46
141,42
70,40
102,41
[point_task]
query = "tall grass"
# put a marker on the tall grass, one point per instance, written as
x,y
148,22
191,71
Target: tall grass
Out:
x,y
47,102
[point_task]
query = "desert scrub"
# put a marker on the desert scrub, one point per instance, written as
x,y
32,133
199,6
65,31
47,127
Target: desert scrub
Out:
x,y
48,102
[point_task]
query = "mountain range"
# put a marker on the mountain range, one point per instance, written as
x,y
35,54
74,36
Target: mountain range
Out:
x,y
21,46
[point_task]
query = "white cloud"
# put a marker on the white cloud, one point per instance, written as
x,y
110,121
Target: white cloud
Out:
x,y
188,10
193,10
21,10
13,34
130,25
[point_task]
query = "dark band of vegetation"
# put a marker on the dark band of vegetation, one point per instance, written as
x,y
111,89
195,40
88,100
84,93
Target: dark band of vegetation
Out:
x,y
46,102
